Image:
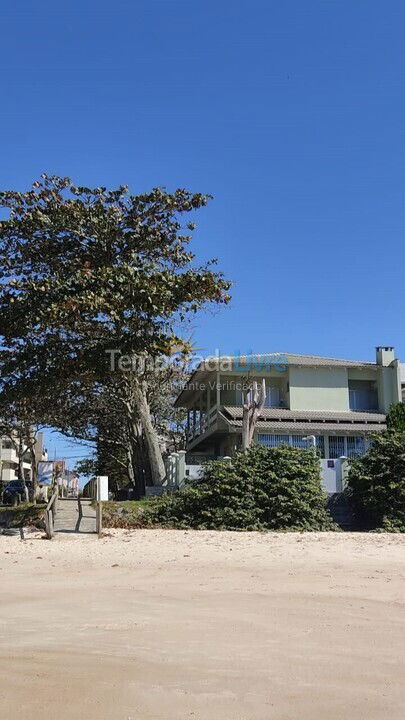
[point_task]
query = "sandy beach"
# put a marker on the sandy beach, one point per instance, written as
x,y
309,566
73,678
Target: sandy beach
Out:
x,y
202,625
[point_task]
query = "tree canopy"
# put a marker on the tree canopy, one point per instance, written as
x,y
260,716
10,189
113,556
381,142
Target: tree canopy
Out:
x,y
89,271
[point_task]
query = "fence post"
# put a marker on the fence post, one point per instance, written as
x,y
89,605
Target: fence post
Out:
x,y
181,469
175,469
102,495
344,471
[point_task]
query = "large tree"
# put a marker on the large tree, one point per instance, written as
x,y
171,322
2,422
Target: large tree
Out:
x,y
97,413
90,271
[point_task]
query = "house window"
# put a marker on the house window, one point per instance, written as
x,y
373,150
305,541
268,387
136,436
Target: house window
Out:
x,y
336,446
297,441
320,444
272,397
362,396
355,446
350,446
273,440
300,441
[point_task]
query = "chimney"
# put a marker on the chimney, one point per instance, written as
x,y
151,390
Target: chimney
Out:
x,y
385,355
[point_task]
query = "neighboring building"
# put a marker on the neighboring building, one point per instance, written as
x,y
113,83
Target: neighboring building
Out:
x,y
9,459
341,402
69,481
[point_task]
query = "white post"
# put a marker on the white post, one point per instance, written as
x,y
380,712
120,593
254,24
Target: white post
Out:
x,y
175,474
101,496
344,471
181,468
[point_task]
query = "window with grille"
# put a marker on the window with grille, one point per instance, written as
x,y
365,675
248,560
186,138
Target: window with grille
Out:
x,y
355,446
336,446
273,440
320,444
298,441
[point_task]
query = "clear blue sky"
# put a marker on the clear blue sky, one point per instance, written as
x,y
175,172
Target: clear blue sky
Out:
x,y
291,113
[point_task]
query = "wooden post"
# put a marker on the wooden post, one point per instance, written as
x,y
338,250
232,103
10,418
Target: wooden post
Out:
x,y
99,518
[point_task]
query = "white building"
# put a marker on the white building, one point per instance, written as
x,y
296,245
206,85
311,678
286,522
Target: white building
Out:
x,y
9,459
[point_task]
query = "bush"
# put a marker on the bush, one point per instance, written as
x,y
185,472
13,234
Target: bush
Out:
x,y
376,484
265,489
22,515
396,418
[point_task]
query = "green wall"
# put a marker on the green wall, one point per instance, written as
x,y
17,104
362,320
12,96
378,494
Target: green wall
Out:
x,y
319,389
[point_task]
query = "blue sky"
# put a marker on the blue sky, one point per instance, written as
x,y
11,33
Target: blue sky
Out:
x,y
290,113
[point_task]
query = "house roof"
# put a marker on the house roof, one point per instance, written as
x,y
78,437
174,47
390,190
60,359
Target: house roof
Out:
x,y
262,360
311,360
297,428
292,359
281,415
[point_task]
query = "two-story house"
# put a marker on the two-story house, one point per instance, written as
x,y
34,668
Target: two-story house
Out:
x,y
340,402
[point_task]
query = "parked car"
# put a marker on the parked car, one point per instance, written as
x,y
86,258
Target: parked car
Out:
x,y
14,492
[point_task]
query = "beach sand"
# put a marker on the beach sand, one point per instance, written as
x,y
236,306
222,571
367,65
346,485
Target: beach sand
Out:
x,y
173,625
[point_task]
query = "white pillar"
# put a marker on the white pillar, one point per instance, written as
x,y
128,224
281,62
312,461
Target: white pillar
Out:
x,y
181,468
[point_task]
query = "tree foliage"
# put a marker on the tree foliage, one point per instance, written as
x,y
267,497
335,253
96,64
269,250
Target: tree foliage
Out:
x,y
376,484
396,417
263,489
87,271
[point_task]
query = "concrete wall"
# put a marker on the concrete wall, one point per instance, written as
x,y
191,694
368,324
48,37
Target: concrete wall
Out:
x,y
389,386
319,388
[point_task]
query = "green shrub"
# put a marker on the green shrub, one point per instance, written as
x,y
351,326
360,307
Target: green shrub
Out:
x,y
265,489
396,417
376,484
22,515
126,514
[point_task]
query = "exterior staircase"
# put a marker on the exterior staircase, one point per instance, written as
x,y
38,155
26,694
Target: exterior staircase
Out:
x,y
73,516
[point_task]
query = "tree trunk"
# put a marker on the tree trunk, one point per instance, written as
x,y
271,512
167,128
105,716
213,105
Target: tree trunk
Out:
x,y
253,405
34,473
20,470
157,466
245,422
136,471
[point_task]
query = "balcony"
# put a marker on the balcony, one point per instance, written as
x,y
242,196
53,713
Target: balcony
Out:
x,y
9,455
363,400
204,423
8,474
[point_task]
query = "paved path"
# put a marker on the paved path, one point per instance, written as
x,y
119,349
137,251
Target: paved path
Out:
x,y
67,518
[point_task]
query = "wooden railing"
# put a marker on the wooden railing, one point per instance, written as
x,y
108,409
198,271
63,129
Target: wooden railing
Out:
x,y
203,424
49,517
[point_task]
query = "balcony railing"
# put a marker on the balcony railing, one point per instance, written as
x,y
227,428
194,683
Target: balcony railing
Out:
x,y
9,455
203,424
